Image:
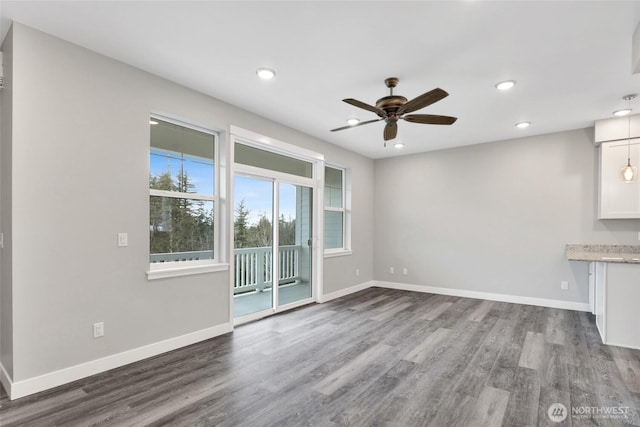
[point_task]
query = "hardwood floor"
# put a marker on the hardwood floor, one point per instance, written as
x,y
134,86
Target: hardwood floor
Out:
x,y
377,357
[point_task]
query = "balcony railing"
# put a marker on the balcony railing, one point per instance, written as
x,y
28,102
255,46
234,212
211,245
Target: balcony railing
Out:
x,y
253,266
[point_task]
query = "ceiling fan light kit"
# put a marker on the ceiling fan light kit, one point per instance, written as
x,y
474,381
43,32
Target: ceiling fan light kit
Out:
x,y
395,107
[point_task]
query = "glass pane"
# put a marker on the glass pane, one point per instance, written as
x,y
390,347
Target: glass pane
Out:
x,y
181,159
333,187
333,232
180,229
251,156
253,248
294,238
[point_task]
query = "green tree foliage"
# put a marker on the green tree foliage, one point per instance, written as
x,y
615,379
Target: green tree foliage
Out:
x,y
179,224
259,234
240,226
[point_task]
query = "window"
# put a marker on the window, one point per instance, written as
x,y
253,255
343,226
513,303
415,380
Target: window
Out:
x,y
182,196
335,211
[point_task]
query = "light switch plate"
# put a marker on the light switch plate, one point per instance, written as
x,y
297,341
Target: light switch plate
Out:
x,y
98,329
123,239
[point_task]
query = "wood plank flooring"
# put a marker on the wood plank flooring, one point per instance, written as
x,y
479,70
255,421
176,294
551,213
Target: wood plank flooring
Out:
x,y
377,357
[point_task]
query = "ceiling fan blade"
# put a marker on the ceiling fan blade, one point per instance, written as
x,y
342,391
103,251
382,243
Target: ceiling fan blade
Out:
x,y
390,130
356,125
423,100
364,106
430,119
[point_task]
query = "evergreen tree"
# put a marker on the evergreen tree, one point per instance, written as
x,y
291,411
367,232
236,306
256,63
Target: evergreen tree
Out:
x,y
178,224
240,226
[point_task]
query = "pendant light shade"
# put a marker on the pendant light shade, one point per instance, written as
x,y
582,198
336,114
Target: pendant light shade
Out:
x,y
629,172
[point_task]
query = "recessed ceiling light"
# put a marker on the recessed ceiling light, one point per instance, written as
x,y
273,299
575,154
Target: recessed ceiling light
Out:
x,y
622,112
265,73
352,122
506,85
523,125
398,145
153,122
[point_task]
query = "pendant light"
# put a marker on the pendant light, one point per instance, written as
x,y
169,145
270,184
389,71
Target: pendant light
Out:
x,y
629,172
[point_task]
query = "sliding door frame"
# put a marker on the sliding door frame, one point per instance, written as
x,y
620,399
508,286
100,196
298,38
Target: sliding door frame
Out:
x,y
252,139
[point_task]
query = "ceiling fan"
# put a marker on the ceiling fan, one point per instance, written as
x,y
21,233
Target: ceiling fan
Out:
x,y
394,107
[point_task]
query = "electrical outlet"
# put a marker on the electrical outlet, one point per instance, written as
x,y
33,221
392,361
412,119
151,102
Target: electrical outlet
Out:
x,y
98,329
405,271
564,285
392,270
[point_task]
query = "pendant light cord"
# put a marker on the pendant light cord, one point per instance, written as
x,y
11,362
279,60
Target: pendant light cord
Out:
x,y
629,133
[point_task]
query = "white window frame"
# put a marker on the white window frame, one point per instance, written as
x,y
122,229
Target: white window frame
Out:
x,y
185,268
346,213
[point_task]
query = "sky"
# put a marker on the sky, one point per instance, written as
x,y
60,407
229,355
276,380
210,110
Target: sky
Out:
x,y
258,198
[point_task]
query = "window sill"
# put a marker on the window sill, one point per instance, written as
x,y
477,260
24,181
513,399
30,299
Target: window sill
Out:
x,y
337,252
185,271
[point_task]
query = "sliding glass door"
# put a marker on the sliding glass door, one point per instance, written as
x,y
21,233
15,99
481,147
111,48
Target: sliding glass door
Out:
x,y
294,243
253,245
262,282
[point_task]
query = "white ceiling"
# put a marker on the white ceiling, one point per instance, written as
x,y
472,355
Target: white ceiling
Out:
x,y
572,60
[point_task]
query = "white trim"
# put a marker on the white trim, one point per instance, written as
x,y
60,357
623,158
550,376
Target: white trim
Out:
x,y
5,379
187,270
54,379
344,292
179,195
622,345
263,142
515,299
331,253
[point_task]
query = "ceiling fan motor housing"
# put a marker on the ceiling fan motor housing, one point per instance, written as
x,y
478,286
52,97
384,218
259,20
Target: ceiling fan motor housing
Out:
x,y
390,105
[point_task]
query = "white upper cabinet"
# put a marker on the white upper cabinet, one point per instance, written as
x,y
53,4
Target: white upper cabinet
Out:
x,y
617,128
618,199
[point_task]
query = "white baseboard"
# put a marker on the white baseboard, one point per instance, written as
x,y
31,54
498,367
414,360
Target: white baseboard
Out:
x,y
345,292
516,299
5,379
54,379
633,347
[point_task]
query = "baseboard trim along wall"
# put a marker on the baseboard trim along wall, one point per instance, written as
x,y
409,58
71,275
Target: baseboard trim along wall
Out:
x,y
516,299
345,292
64,376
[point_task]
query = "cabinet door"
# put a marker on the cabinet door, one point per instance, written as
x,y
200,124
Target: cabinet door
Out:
x,y
622,293
618,199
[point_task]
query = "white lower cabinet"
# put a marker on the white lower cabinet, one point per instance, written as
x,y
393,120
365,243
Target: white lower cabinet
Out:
x,y
615,299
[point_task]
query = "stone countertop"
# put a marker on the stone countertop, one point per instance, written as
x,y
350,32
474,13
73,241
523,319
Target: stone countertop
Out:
x,y
628,254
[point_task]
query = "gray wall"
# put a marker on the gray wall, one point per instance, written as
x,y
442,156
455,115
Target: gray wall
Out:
x,y
493,217
80,175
